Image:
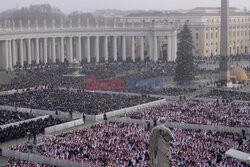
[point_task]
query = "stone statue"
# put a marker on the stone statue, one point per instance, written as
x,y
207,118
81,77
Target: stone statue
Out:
x,y
160,153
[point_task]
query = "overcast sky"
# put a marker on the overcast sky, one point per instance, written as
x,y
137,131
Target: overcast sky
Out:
x,y
92,5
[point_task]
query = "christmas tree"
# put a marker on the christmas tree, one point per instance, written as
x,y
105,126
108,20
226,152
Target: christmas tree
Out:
x,y
184,72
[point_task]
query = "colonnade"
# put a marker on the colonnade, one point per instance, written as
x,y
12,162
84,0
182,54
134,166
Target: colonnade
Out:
x,y
53,46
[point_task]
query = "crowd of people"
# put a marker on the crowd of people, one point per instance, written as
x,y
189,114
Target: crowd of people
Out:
x,y
127,145
31,128
233,95
7,117
64,100
59,75
164,91
121,144
198,112
18,163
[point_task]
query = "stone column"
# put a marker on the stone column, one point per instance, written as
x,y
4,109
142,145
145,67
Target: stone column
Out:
x,y
151,48
10,55
45,52
133,48
155,57
53,50
79,49
97,49
62,50
115,48
14,52
174,45
29,52
124,48
70,50
142,48
6,54
170,48
87,43
37,51
106,56
21,53
32,50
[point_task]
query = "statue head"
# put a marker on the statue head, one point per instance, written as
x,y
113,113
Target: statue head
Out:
x,y
162,120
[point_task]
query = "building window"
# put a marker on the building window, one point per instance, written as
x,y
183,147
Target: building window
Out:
x,y
212,35
207,35
197,35
216,34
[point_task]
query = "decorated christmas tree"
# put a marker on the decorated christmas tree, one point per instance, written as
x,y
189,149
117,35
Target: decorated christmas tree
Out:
x,y
184,72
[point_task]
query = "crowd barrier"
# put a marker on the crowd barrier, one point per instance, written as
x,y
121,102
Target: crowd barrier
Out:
x,y
187,126
9,92
43,112
25,121
63,126
111,92
131,109
42,159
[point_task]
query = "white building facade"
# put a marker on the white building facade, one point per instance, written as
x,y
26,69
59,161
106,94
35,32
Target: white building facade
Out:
x,y
205,26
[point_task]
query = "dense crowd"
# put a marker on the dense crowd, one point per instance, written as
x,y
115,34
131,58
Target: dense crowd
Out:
x,y
7,117
55,76
197,112
233,95
63,100
128,145
33,128
164,91
19,163
35,77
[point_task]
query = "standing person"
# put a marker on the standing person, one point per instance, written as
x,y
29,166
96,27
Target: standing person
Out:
x,y
83,118
155,122
105,118
29,136
71,114
34,136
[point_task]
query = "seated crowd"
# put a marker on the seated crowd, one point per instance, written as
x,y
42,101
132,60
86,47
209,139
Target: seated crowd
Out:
x,y
233,95
127,145
32,127
63,100
7,117
197,112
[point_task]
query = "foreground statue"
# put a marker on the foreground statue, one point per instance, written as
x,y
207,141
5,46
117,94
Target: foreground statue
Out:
x,y
160,153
